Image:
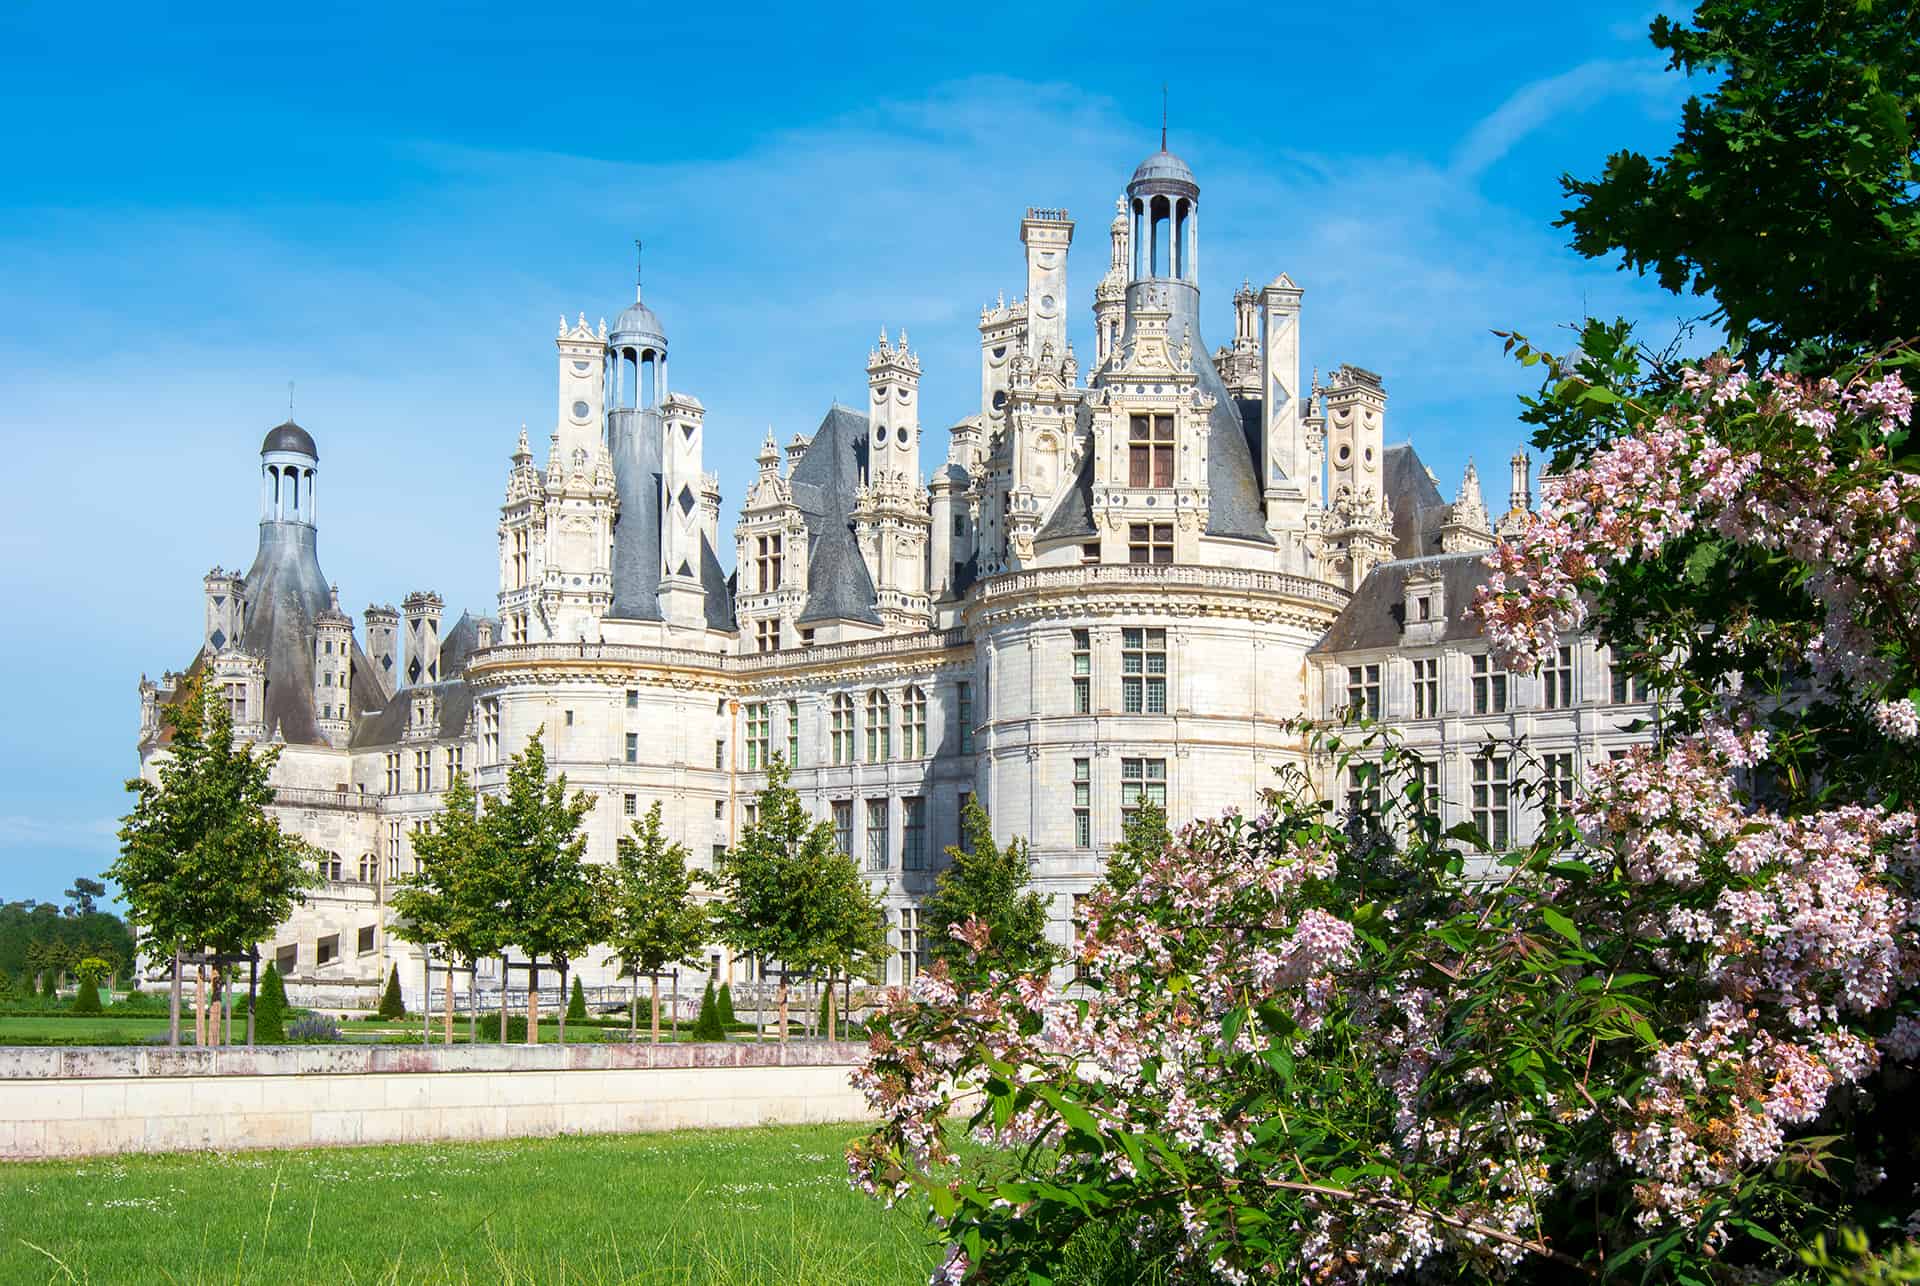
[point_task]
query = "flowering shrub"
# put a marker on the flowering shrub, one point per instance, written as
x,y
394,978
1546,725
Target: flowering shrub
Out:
x,y
1664,1039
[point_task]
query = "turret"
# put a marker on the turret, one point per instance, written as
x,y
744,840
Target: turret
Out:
x,y
1110,296
1046,234
893,410
289,470
1467,527
333,672
422,612
1519,494
226,609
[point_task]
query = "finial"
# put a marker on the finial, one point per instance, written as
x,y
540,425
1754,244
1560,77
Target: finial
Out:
x,y
903,339
1163,116
637,249
883,337
289,399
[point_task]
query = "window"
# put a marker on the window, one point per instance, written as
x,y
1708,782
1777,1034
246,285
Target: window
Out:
x,y
633,748
369,868
393,773
911,945
1489,686
490,729
1083,671
1150,451
717,853
395,837
913,725
1090,552
767,562
1427,773
1083,803
1363,690
1079,930
456,761
1492,801
423,770
630,805
793,733
719,753
913,834
327,950
842,729
329,866
1150,542
961,839
877,836
759,736
1423,608
719,810
1143,671
365,943
843,825
633,698
1142,781
806,636
236,696
1426,688
1363,790
766,635
1556,680
1559,783
287,958
1627,688
963,714
879,727
569,718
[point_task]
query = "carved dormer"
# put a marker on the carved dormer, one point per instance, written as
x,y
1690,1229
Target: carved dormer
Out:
x,y
1424,607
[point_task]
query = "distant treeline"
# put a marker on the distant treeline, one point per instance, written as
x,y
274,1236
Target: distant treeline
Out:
x,y
39,936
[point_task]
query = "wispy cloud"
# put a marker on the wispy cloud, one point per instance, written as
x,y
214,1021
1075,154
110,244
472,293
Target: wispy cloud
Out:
x,y
17,831
1536,104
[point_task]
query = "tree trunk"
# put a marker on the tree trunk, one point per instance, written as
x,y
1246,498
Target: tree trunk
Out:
x,y
446,1027
828,1034
633,1008
783,1006
506,976
565,1002
656,1008
533,1003
200,1005
173,1003
253,991
473,1001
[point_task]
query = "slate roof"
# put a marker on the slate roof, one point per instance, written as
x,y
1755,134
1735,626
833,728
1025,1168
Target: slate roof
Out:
x,y
387,727
823,483
285,591
633,439
719,587
460,642
289,437
1375,615
1417,505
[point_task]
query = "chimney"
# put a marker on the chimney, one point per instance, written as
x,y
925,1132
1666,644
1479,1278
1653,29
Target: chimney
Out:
x,y
1520,494
383,645
422,611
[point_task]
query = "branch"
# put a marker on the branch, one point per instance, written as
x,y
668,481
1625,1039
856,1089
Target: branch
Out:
x,y
1463,1225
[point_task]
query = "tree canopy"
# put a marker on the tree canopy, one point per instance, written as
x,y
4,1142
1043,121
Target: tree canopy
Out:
x,y
554,903
452,898
657,922
989,883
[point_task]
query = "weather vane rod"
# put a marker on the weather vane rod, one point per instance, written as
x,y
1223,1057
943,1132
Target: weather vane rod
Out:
x,y
1163,116
289,399
637,249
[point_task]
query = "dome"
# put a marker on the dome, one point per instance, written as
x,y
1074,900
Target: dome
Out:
x,y
638,321
289,437
1164,167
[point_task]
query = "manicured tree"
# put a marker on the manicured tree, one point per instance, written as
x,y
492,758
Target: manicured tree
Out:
x,y
989,885
577,1002
202,863
451,900
90,971
656,922
270,1008
726,1004
789,894
392,1005
553,904
50,984
707,1025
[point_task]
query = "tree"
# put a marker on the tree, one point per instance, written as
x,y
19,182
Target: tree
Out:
x,y
82,896
991,885
393,1006
1143,837
726,1004
707,1025
90,971
577,1002
270,1008
202,863
1788,195
554,904
452,898
656,921
787,893
50,984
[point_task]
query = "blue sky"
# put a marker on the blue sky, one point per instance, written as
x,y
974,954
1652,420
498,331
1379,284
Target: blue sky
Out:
x,y
391,205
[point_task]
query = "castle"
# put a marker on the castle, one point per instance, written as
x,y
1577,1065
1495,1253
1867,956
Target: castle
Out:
x,y
1119,586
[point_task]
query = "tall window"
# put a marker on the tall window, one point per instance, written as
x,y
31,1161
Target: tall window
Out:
x,y
1427,773
456,761
369,868
1143,671
633,748
766,635
1083,672
911,944
963,714
633,698
1559,783
519,558
1556,680
1142,781
767,562
1150,542
1627,688
913,725
1489,686
793,734
1083,803
1363,790
1363,690
236,697
1150,451
913,834
393,773
423,770
1492,800
843,825
842,728
1426,688
759,736
396,836
877,836
879,727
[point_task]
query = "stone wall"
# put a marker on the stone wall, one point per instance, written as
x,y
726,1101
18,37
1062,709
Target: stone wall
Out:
x,y
102,1100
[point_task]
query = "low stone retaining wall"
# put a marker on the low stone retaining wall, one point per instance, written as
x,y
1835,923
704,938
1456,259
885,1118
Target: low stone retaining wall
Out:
x,y
87,1101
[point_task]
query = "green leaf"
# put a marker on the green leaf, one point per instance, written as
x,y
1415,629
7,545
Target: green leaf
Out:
x,y
1560,924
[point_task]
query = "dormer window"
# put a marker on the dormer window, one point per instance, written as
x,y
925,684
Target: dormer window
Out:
x,y
1150,451
1423,608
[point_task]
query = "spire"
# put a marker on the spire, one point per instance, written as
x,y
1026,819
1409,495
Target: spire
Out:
x,y
637,265
1467,526
1163,116
1470,488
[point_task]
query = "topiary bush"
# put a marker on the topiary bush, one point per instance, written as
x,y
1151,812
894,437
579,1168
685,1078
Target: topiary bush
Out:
x,y
50,983
391,1005
577,1002
87,999
707,1026
726,1005
489,1028
270,1009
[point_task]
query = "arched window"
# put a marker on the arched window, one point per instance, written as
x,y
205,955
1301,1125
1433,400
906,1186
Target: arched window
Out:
x,y
913,725
1162,216
879,727
842,728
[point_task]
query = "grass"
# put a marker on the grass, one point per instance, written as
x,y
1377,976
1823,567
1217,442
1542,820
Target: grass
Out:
x,y
144,1028
696,1208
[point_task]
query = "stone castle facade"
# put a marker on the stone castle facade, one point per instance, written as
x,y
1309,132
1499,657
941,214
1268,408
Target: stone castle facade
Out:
x,y
1120,585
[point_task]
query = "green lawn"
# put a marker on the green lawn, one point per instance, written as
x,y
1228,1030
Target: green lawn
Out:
x,y
725,1206
16,1029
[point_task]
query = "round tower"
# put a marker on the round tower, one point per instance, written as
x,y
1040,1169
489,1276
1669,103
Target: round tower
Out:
x,y
289,467
636,358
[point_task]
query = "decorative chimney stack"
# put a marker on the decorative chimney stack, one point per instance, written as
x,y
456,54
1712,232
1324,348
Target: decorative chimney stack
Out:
x,y
1519,494
422,611
383,645
226,609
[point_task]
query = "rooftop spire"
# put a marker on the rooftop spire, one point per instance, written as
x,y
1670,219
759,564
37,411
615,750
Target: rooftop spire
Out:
x,y
1163,116
637,248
